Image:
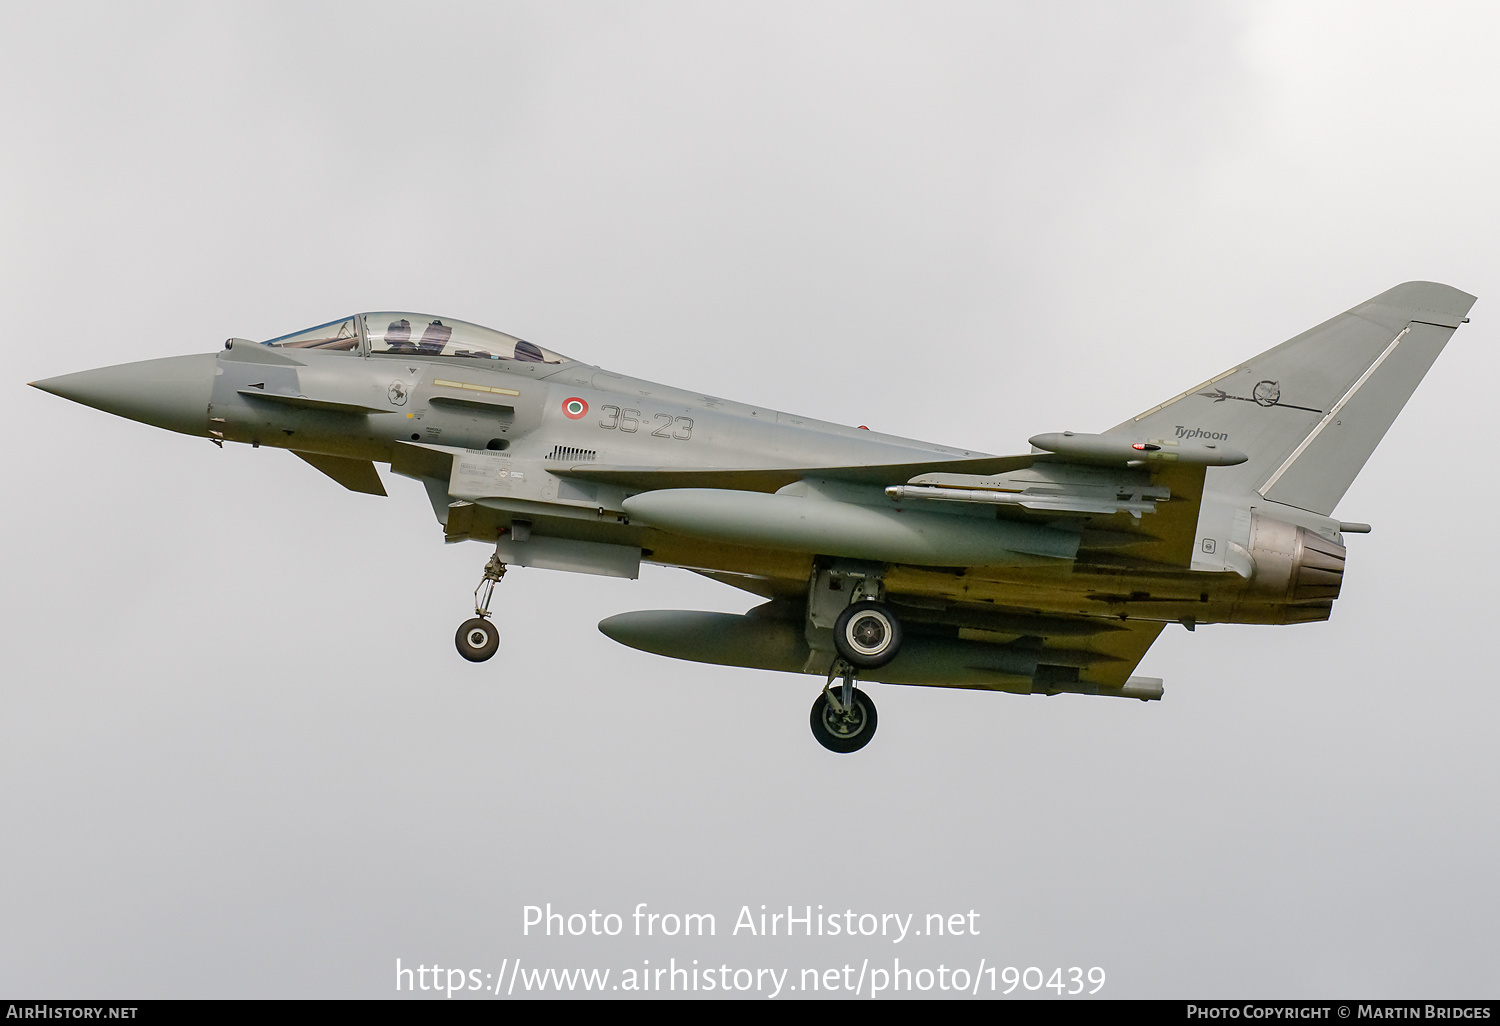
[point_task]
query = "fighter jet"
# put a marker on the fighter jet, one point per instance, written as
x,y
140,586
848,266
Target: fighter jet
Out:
x,y
879,558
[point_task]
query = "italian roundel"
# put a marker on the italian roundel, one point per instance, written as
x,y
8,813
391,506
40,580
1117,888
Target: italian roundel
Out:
x,y
575,408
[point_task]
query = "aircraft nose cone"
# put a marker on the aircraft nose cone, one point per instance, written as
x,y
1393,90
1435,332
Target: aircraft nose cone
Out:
x,y
173,393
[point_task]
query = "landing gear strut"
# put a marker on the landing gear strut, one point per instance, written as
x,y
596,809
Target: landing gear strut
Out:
x,y
849,628
477,639
843,718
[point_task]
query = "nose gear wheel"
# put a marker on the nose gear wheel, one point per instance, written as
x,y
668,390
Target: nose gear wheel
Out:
x,y
477,639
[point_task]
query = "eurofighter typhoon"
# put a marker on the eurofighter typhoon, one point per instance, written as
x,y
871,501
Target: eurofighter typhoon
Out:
x,y
879,558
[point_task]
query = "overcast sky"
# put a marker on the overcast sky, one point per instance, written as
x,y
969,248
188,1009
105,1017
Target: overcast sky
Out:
x,y
238,753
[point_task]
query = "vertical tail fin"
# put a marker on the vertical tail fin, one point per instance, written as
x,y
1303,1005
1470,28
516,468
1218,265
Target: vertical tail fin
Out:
x,y
1310,412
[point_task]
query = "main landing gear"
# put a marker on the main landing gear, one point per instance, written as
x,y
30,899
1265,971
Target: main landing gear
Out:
x,y
849,628
477,639
867,635
843,718
846,611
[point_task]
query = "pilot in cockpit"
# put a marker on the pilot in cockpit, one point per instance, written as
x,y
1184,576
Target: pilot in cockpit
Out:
x,y
398,338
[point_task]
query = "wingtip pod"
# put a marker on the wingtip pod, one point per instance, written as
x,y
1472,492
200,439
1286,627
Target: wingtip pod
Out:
x,y
1116,448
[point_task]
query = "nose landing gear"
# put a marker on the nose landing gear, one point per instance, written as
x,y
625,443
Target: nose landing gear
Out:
x,y
477,639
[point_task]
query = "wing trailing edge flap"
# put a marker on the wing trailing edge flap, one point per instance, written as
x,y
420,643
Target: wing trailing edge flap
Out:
x,y
1101,665
1115,655
1096,665
355,475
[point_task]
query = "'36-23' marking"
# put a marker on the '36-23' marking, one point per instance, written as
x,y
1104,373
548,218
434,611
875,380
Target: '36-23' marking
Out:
x,y
629,421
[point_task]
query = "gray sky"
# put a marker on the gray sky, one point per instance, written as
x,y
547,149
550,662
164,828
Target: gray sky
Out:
x,y
238,754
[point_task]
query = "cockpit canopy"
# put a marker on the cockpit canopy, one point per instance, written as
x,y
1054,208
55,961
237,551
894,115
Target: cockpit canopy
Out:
x,y
339,335
413,334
